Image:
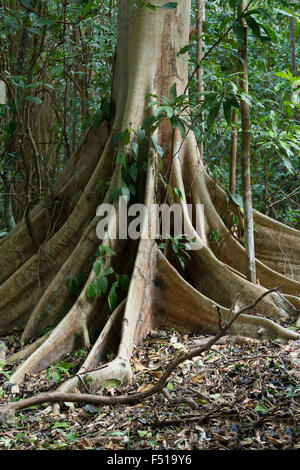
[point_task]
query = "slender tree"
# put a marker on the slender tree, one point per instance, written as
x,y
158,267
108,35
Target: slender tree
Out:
x,y
199,57
245,152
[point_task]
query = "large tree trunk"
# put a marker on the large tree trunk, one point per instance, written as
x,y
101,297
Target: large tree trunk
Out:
x,y
35,292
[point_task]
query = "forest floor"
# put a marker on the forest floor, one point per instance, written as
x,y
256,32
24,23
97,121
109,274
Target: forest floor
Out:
x,y
242,394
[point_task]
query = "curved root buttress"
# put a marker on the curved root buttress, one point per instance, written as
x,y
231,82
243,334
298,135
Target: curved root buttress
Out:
x,y
33,293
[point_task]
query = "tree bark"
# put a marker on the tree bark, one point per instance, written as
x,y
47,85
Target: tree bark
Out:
x,y
245,154
159,295
199,57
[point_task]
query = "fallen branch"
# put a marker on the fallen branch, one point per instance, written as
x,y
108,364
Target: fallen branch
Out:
x,y
60,397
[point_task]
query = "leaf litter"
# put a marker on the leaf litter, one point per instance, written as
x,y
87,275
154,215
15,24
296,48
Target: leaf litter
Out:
x,y
241,394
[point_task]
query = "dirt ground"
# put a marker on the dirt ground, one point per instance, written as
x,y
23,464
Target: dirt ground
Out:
x,y
240,395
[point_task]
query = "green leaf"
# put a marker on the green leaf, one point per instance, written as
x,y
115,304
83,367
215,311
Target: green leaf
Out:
x,y
215,236
213,113
184,49
126,137
181,128
117,138
178,193
173,93
103,249
134,171
148,122
227,111
288,164
100,285
56,376
141,134
27,3
261,408
90,291
97,268
107,271
157,147
112,297
112,383
237,199
171,192
115,195
34,99
125,193
254,26
238,30
272,34
132,189
135,148
45,22
125,282
169,6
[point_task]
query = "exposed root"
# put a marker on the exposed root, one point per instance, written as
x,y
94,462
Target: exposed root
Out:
x,y
209,275
17,246
59,397
90,368
137,316
157,294
277,246
35,275
203,190
72,331
186,309
58,297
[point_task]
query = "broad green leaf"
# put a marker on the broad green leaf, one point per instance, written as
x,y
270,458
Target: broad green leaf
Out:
x,y
254,26
181,128
157,147
237,199
134,172
227,111
90,291
148,122
238,30
169,6
100,285
141,134
184,49
173,93
112,297
97,268
107,271
215,236
115,195
135,148
102,249
126,137
261,408
34,99
56,376
213,113
125,193
45,22
270,32
170,111
124,282
117,138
